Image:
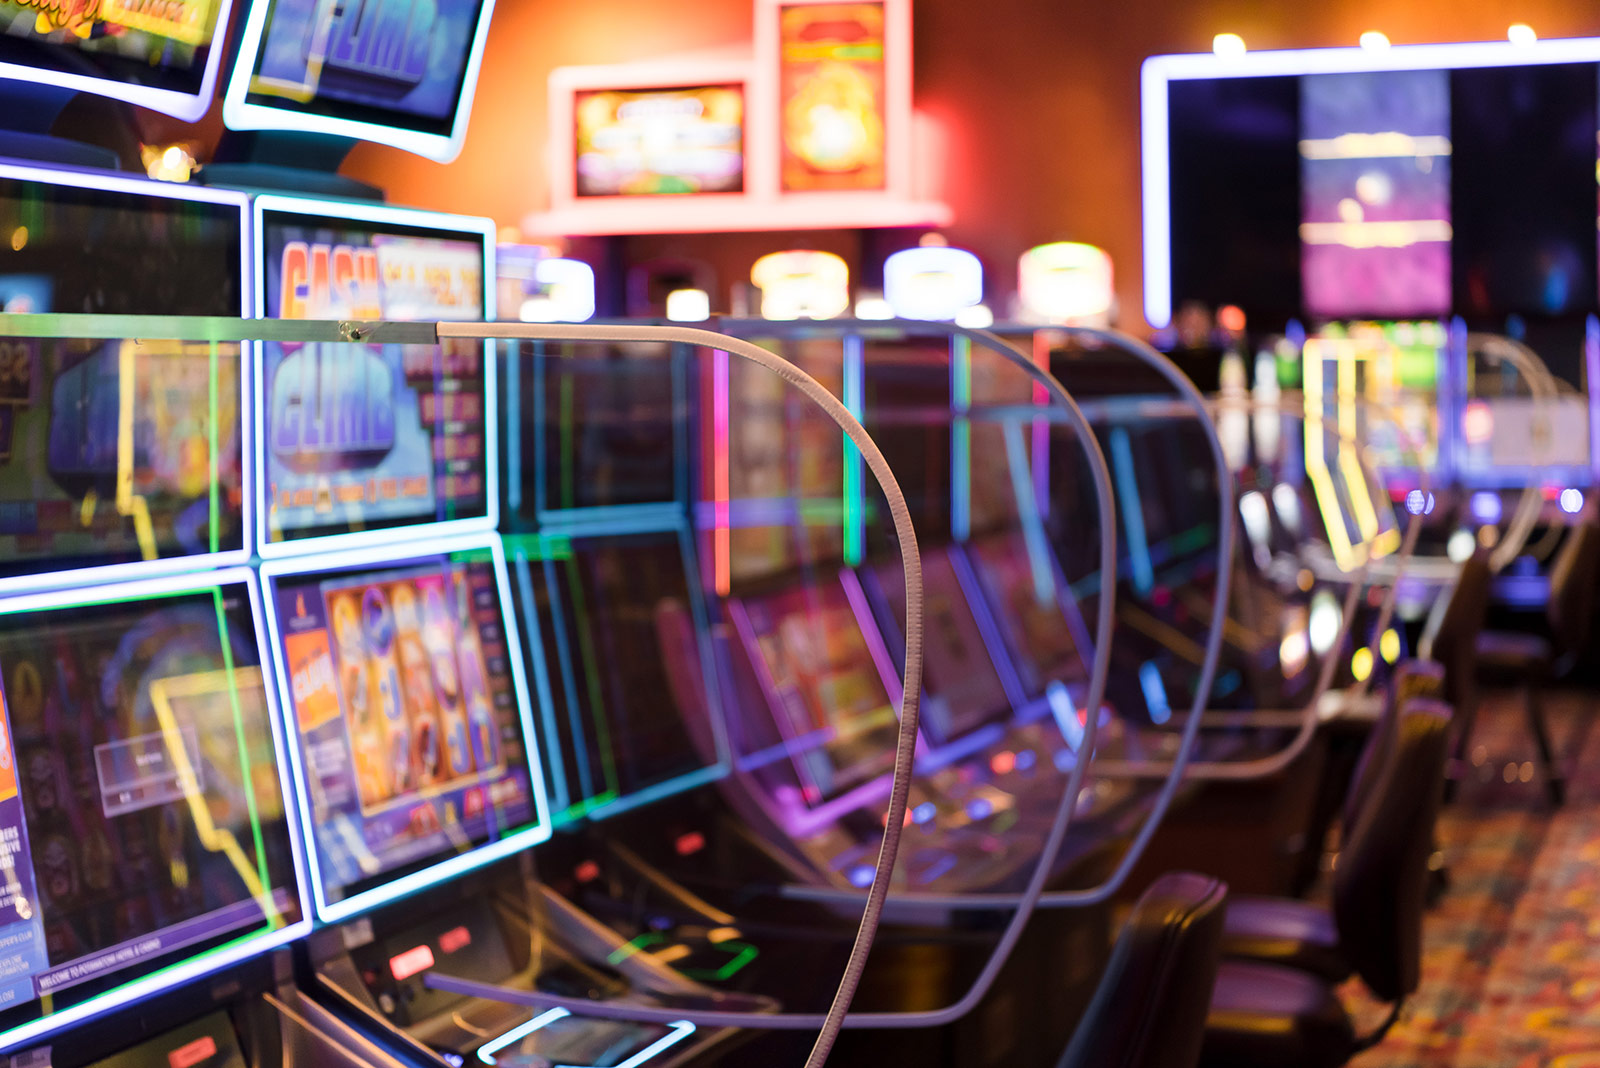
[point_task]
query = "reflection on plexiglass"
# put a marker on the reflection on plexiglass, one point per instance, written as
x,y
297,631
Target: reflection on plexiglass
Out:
x,y
143,809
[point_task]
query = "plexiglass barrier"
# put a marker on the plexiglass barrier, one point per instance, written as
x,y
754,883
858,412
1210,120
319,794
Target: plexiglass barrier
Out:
x,y
392,636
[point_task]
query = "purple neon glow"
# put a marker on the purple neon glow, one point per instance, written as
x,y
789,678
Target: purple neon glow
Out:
x,y
1375,193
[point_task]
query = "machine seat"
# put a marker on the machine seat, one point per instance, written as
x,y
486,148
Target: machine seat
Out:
x,y
1263,1014
1285,931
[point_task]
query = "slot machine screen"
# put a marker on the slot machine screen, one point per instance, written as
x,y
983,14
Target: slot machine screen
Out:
x,y
962,690
367,438
161,56
810,650
400,74
412,734
117,453
1040,621
611,619
119,246
141,796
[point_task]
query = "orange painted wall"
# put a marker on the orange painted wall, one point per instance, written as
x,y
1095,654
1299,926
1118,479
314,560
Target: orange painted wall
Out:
x,y
1038,100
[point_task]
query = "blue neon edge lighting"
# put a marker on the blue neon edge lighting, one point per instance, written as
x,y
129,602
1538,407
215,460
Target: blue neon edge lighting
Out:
x,y
468,226
471,860
1158,71
238,114
167,978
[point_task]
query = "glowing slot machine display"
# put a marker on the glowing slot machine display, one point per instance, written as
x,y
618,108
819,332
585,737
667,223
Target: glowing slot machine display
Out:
x,y
360,441
403,681
142,796
391,71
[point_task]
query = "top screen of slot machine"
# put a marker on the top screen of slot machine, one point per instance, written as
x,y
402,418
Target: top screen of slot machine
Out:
x,y
366,437
142,814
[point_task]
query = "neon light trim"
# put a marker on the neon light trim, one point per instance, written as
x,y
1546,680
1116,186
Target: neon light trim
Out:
x,y
960,438
538,831
237,114
854,504
681,1030
1144,578
472,227
230,953
1158,72
1155,692
190,107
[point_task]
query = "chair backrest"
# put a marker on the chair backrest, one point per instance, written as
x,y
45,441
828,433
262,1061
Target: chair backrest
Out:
x,y
1411,678
1380,884
1454,640
1572,587
1150,1008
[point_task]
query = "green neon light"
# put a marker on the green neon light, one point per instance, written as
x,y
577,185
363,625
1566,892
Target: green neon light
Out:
x,y
216,491
742,954
539,546
745,954
602,731
579,809
637,945
244,751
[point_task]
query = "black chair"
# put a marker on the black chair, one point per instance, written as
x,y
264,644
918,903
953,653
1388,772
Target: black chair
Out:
x,y
1150,1008
1271,1014
1304,934
1533,660
1453,642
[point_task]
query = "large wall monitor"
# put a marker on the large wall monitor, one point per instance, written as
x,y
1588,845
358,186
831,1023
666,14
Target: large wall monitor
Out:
x,y
361,442
389,71
142,796
161,56
1405,182
413,736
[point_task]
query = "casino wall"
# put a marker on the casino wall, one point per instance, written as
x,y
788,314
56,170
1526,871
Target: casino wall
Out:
x,y
1036,103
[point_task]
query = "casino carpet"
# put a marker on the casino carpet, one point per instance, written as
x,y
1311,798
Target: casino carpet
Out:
x,y
1511,967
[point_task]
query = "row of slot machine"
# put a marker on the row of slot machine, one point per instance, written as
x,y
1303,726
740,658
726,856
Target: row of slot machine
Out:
x,y
331,668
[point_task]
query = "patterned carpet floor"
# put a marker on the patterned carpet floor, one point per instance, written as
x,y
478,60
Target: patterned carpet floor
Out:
x,y
1511,969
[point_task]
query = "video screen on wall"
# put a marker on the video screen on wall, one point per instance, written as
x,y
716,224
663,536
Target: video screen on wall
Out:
x,y
163,46
832,96
390,63
654,142
406,715
141,795
1387,194
362,437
